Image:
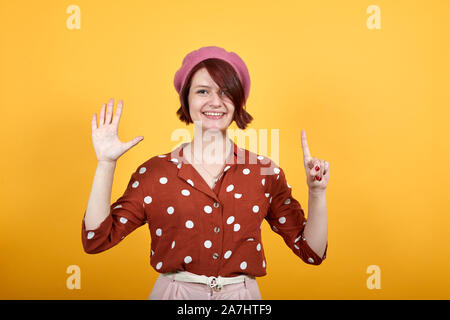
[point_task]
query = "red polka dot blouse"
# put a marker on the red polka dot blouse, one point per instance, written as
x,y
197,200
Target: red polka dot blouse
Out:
x,y
212,232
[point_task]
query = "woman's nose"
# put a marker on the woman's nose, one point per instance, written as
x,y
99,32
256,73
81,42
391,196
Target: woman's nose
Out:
x,y
216,98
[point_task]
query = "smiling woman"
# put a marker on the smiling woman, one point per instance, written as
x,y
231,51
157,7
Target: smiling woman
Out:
x,y
205,216
225,78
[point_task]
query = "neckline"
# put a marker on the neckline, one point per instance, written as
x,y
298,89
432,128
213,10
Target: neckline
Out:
x,y
231,156
238,156
221,172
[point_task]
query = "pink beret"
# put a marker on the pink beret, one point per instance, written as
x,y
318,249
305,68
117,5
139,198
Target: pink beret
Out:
x,y
196,56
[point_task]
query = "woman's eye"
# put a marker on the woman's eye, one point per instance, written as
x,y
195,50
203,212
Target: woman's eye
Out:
x,y
203,90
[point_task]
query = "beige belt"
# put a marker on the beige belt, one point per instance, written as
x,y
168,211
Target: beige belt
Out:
x,y
215,283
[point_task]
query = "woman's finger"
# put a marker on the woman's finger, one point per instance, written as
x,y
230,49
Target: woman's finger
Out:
x,y
310,163
118,113
94,122
315,167
322,168
109,111
101,120
318,170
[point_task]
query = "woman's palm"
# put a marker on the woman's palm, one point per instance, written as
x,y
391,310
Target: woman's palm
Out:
x,y
107,144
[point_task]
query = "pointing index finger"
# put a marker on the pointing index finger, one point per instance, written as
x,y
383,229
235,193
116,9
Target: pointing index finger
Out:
x,y
306,153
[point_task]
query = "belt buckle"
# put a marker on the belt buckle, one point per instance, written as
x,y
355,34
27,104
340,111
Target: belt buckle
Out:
x,y
214,285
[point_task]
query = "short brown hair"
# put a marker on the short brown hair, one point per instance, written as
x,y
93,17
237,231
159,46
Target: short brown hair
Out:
x,y
227,79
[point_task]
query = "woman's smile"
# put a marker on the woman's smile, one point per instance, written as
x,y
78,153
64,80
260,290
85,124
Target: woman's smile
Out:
x,y
213,115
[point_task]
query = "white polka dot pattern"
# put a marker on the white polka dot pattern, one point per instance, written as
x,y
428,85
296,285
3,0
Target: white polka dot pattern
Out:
x,y
148,199
123,220
190,222
207,209
163,180
207,244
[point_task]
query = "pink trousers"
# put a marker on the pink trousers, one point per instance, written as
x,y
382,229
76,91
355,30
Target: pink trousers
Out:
x,y
166,288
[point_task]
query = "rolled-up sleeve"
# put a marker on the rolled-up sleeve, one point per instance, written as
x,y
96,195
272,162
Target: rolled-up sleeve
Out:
x,y
287,218
126,214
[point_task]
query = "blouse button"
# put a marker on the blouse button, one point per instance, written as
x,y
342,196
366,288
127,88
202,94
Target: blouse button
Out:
x,y
216,229
216,204
215,255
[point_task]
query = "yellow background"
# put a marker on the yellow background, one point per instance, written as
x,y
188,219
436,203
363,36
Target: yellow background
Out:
x,y
374,103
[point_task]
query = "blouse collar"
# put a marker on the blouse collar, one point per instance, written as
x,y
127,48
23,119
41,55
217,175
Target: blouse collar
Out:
x,y
187,172
238,155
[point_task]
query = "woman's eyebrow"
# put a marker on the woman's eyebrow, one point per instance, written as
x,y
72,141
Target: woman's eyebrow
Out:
x,y
202,86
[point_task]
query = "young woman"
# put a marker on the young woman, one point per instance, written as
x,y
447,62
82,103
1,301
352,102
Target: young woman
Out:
x,y
204,202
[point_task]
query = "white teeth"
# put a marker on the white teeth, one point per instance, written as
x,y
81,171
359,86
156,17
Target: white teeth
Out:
x,y
213,113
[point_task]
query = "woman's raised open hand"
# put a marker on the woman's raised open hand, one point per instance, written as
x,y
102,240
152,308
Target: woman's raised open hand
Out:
x,y
107,145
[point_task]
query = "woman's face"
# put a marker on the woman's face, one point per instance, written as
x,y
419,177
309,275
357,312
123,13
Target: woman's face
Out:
x,y
206,96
